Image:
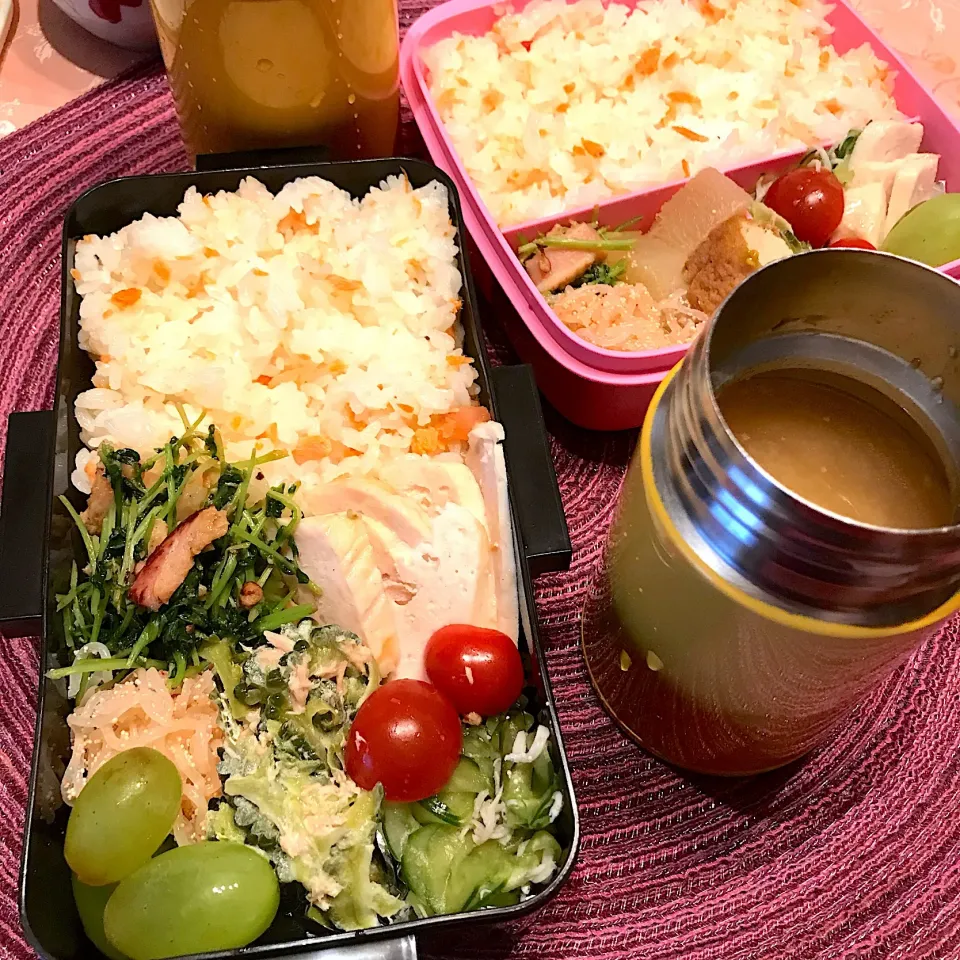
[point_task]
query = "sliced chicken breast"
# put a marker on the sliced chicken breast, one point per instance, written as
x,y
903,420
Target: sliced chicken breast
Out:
x,y
372,498
876,171
434,482
486,461
446,579
864,212
915,181
337,555
885,140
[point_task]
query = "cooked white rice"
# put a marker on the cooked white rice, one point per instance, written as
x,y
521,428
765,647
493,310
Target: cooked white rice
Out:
x,y
294,320
566,104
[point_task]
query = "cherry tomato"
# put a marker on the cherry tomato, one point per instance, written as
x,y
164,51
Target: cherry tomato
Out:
x,y
406,736
477,670
854,242
811,201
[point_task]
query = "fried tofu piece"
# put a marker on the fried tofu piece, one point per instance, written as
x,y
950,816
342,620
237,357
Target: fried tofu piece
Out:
x,y
729,254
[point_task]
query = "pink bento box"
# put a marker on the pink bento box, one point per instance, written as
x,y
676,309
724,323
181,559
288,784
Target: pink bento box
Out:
x,y
593,387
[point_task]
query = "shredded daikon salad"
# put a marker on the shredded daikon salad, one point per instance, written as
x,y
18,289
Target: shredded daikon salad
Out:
x,y
141,711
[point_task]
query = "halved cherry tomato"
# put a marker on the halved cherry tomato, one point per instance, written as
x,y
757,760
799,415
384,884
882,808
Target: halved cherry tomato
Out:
x,y
477,669
406,736
855,242
811,201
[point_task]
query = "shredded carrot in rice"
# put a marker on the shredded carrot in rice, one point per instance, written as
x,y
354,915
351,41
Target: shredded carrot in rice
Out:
x,y
682,96
292,222
426,440
648,61
711,13
447,429
691,134
126,298
342,284
312,448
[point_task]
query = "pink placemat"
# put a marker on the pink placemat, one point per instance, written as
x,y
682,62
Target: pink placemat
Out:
x,y
854,853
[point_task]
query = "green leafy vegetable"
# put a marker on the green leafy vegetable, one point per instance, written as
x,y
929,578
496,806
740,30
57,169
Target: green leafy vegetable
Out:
x,y
845,148
230,482
206,605
608,243
610,240
604,273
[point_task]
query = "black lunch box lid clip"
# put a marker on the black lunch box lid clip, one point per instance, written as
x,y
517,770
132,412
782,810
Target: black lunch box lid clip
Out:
x,y
23,521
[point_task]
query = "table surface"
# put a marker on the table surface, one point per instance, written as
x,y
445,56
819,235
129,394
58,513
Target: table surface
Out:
x,y
852,855
48,60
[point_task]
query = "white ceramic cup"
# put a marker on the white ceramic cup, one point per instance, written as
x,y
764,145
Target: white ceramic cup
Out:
x,y
126,23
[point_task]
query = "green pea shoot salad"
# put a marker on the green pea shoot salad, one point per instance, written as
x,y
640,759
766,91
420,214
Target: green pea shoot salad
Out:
x,y
225,745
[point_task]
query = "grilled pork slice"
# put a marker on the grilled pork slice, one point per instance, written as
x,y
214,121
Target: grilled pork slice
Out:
x,y
168,566
553,268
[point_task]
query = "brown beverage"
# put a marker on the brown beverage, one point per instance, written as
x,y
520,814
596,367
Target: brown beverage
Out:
x,y
841,451
255,74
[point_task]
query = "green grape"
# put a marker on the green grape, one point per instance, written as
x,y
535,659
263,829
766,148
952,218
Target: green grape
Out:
x,y
122,815
208,896
90,903
930,232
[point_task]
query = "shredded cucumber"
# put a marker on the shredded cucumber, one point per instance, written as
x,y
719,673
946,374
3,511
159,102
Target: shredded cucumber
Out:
x,y
468,777
398,824
484,839
431,855
455,808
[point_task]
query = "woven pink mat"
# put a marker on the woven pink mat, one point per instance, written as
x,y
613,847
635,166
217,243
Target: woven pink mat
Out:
x,y
854,853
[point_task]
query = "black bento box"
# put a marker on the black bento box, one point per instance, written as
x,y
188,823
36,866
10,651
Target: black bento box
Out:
x,y
38,542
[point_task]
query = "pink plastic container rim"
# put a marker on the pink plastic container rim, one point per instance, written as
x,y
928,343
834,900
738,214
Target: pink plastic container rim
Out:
x,y
577,355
